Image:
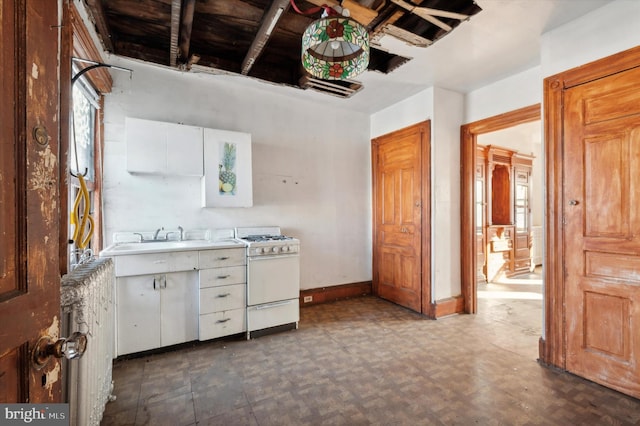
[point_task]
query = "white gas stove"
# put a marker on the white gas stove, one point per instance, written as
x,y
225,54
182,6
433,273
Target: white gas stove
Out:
x,y
265,241
273,278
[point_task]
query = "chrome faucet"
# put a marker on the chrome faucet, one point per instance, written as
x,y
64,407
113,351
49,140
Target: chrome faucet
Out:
x,y
140,235
181,229
155,234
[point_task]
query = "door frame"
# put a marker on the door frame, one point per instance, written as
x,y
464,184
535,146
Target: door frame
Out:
x,y
553,343
468,142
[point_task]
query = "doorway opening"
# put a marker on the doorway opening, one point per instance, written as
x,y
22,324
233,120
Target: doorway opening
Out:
x,y
502,213
509,217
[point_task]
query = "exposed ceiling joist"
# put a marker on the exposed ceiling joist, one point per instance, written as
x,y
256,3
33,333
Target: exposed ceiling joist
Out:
x,y
429,14
186,25
176,7
269,22
261,38
401,34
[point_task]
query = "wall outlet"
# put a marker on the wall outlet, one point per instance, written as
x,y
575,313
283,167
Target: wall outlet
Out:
x,y
308,299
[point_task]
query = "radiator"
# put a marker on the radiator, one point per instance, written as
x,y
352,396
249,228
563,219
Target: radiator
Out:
x,y
87,306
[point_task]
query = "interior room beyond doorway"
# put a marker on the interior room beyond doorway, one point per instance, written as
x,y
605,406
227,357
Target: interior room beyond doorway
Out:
x,y
509,213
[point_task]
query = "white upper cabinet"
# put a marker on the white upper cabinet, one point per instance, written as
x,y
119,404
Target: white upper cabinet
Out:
x,y
163,148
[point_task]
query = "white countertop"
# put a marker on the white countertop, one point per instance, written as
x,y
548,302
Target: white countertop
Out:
x,y
167,246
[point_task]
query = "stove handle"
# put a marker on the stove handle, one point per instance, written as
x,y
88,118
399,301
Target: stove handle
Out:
x,y
280,256
274,305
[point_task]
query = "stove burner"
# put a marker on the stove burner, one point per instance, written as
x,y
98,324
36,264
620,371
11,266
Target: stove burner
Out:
x,y
261,238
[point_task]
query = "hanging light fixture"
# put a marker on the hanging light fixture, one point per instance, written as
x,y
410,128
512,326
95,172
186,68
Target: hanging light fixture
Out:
x,y
334,47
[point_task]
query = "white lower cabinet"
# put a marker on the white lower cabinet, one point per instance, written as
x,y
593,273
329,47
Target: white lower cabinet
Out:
x,y
156,310
223,293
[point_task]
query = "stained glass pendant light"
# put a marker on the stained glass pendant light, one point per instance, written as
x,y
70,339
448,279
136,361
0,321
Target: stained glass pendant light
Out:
x,y
335,47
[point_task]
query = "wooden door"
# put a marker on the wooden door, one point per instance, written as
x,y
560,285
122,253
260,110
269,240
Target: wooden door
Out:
x,y
602,230
29,230
400,175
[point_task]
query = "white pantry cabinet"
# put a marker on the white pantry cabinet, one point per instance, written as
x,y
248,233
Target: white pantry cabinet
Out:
x,y
156,147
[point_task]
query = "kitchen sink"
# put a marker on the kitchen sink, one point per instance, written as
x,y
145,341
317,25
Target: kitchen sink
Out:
x,y
165,246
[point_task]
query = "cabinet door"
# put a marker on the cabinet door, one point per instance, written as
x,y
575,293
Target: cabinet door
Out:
x,y
179,308
146,146
184,150
138,313
162,148
231,185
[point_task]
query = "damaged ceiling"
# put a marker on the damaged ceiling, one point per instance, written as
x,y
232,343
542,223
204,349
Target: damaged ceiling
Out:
x,y
262,38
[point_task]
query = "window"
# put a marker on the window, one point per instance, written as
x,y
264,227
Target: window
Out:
x,y
82,154
83,131
82,139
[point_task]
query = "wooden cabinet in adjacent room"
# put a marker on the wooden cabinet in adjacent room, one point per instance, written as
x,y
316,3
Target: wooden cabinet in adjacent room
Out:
x,y
503,212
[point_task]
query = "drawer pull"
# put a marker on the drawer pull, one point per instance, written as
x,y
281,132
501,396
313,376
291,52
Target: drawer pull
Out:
x,y
159,261
223,320
222,277
224,295
223,258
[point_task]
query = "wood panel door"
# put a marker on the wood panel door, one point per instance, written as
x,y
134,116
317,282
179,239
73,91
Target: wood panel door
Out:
x,y
602,230
29,177
400,174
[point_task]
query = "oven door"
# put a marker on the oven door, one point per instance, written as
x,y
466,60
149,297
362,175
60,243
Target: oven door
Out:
x,y
273,278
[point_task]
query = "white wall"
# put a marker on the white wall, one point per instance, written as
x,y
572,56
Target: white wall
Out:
x,y
412,110
445,108
600,33
311,168
514,92
603,32
448,113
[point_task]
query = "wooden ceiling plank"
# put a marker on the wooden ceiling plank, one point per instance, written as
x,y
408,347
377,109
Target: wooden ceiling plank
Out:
x,y
360,13
98,16
269,22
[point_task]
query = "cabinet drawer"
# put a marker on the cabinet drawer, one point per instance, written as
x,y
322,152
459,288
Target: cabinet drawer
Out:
x,y
156,263
223,276
222,257
523,264
220,324
224,298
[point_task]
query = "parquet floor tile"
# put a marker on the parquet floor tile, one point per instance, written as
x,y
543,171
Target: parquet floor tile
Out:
x,y
366,361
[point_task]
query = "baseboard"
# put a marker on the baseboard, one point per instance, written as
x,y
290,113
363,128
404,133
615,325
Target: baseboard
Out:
x,y
446,307
333,293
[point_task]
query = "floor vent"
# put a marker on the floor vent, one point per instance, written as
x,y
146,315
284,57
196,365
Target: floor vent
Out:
x,y
340,88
